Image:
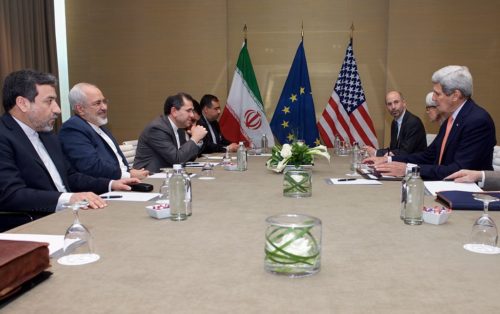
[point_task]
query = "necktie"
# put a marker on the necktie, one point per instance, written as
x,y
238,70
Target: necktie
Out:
x,y
443,144
182,137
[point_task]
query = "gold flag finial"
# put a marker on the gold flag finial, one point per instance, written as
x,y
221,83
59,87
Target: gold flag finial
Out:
x,y
245,29
352,29
302,30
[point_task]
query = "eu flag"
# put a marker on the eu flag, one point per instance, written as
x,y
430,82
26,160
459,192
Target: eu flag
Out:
x,y
295,118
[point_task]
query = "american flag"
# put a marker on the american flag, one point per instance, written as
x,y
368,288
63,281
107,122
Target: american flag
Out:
x,y
346,113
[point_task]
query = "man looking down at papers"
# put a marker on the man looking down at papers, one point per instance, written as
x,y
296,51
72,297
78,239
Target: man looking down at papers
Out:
x,y
465,141
488,180
35,177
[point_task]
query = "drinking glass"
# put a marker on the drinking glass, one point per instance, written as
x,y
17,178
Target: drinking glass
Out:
x,y
227,158
357,158
163,198
484,234
207,172
78,247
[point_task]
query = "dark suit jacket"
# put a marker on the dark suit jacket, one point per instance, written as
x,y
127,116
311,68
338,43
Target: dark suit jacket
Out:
x,y
25,183
412,138
87,151
210,146
157,147
469,146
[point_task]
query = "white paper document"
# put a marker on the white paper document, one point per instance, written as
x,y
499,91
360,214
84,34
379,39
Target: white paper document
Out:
x,y
158,175
351,181
200,164
56,242
128,196
213,157
163,175
437,186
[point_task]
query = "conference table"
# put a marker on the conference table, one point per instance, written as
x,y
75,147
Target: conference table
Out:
x,y
214,261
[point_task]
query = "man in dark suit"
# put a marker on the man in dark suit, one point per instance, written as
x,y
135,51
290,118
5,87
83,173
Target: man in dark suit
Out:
x,y
214,141
87,144
407,130
465,141
165,142
35,177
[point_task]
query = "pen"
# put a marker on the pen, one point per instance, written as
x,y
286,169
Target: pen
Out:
x,y
112,196
343,180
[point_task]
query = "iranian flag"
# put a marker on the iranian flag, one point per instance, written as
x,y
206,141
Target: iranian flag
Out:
x,y
244,118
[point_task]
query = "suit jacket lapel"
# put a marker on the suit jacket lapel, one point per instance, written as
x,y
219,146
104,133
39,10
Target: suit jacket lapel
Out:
x,y
105,130
53,148
457,125
23,138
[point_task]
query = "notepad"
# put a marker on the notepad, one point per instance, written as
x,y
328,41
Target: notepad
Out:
x,y
437,186
132,196
337,181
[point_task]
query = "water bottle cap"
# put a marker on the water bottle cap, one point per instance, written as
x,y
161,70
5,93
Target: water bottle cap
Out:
x,y
177,167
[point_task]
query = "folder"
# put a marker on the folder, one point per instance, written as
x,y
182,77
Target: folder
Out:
x,y
461,200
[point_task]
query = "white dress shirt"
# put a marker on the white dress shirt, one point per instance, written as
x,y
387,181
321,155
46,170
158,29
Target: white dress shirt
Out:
x,y
111,144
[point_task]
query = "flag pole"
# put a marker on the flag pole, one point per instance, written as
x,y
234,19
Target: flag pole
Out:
x,y
245,29
352,30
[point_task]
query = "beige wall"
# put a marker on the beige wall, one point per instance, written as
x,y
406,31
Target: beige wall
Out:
x,y
140,52
427,35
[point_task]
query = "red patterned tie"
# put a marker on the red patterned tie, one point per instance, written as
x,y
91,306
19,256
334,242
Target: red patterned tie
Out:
x,y
443,144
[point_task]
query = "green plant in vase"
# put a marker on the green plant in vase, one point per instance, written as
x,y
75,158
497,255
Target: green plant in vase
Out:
x,y
297,154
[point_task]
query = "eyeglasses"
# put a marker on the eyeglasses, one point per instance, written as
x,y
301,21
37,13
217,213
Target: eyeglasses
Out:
x,y
100,102
428,108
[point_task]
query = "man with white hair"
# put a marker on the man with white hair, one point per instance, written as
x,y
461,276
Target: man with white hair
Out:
x,y
432,111
87,144
465,141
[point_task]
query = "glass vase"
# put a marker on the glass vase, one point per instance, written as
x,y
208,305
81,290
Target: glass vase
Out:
x,y
297,182
293,245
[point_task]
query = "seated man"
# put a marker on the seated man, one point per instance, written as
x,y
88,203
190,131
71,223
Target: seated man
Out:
x,y
35,178
215,141
488,180
164,142
466,140
407,130
87,144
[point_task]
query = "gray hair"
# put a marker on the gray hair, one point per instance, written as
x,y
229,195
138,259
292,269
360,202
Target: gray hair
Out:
x,y
454,77
428,100
77,95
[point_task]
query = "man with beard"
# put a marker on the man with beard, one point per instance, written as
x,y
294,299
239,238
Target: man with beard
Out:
x,y
35,177
171,138
407,130
87,144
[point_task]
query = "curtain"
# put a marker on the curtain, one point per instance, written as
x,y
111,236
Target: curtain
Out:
x,y
27,37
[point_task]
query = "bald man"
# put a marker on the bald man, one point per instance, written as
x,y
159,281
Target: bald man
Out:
x,y
407,130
